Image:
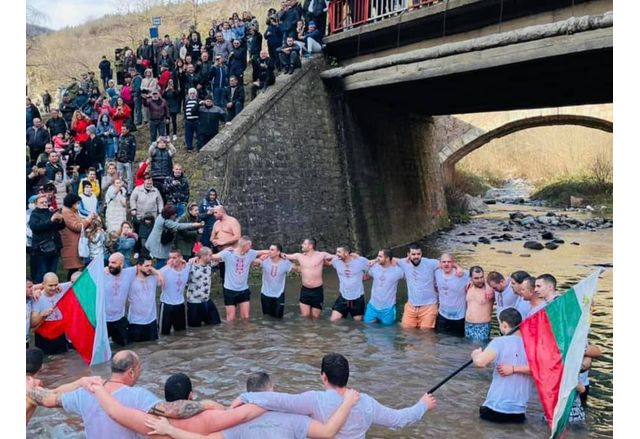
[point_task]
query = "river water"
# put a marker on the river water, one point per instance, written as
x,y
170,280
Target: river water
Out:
x,y
395,366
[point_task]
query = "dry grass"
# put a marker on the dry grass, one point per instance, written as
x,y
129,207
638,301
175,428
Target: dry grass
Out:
x,y
543,154
57,56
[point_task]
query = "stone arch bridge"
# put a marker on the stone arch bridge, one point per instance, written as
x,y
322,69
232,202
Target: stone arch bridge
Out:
x,y
478,131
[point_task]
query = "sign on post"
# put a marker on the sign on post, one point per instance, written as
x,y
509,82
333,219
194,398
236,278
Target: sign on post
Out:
x,y
155,21
153,32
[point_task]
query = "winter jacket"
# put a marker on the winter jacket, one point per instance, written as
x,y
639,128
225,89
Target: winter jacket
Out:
x,y
120,116
255,44
185,239
208,219
37,138
172,98
235,96
96,152
223,49
67,109
146,201
128,144
176,189
209,120
70,236
161,160
56,126
154,245
220,77
238,61
158,109
43,230
105,68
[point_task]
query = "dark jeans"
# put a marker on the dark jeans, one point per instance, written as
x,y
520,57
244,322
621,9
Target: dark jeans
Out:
x,y
156,127
290,60
234,111
174,124
218,96
190,130
137,110
43,264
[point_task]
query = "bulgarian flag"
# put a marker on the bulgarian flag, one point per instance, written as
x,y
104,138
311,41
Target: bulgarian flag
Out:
x,y
555,339
83,315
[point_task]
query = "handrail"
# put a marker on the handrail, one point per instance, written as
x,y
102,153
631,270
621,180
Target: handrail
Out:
x,y
347,14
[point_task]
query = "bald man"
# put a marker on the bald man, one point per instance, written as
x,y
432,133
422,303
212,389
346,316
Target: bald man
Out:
x,y
117,281
226,233
126,369
46,318
452,296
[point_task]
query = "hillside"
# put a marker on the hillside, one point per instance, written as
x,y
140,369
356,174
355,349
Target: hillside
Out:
x,y
54,59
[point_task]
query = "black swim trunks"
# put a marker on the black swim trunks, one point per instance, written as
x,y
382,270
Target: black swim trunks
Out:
x,y
148,332
233,298
312,296
205,312
447,326
346,307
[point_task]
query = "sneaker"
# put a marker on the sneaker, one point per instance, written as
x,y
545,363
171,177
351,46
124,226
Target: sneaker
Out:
x,y
175,137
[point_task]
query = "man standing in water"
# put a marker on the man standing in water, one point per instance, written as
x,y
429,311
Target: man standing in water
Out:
x,y
528,293
274,276
225,234
382,304
452,297
350,268
509,392
545,289
311,264
504,294
334,373
236,282
117,281
477,325
421,308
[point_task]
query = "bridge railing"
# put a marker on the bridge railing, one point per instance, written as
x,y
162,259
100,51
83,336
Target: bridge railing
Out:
x,y
347,14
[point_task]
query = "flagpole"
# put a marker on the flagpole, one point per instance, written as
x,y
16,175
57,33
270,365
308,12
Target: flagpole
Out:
x,y
464,366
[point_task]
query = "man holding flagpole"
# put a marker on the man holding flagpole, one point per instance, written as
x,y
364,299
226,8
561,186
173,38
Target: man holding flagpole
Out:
x,y
509,391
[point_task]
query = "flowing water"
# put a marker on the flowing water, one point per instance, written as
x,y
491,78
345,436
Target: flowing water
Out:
x,y
394,365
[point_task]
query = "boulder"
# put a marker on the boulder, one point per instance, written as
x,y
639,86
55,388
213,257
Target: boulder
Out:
x,y
484,240
525,255
516,215
551,245
575,201
551,214
575,243
475,203
506,237
528,221
558,241
547,235
533,245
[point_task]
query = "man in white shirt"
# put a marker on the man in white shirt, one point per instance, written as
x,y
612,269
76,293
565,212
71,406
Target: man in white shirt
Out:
x,y
274,275
143,316
509,391
117,281
382,304
504,295
172,309
350,268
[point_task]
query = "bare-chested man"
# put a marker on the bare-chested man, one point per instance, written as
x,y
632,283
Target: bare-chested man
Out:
x,y
311,264
226,233
480,299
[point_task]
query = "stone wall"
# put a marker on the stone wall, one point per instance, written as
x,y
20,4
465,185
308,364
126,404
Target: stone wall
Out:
x,y
279,167
394,174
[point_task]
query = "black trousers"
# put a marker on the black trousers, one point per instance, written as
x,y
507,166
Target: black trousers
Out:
x,y
502,418
119,331
51,347
172,315
272,306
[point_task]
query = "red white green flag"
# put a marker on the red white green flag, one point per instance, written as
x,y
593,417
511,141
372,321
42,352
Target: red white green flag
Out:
x,y
555,339
83,315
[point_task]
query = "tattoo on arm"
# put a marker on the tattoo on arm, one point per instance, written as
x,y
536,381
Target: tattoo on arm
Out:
x,y
44,397
177,409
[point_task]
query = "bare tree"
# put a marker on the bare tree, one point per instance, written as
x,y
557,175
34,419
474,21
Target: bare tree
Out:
x,y
35,19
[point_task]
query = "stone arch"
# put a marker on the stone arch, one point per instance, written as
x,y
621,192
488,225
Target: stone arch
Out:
x,y
482,138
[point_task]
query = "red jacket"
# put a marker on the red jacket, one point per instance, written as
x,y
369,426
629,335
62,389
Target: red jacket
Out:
x,y
81,130
163,80
140,174
119,117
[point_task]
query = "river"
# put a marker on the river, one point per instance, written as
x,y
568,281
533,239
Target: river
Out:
x,y
394,365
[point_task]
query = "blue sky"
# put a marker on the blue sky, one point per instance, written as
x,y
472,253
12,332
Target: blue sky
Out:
x,y
61,13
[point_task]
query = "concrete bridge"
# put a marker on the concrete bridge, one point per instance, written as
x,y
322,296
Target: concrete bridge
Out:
x,y
356,146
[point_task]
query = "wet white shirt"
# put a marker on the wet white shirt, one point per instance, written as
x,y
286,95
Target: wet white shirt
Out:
x,y
452,294
384,286
420,281
46,302
320,405
116,290
236,274
506,299
350,276
142,300
97,423
174,284
274,276
271,425
509,394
